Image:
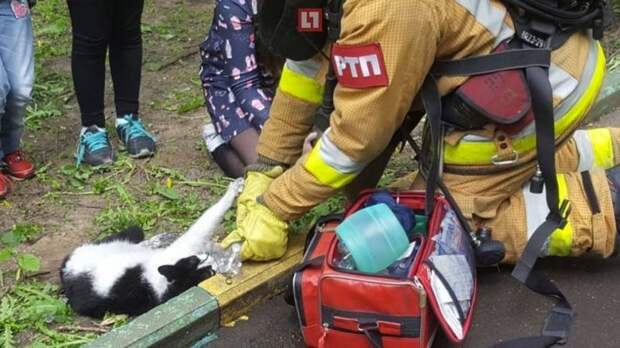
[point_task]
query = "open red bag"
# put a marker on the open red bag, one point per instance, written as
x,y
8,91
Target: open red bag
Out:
x,y
344,308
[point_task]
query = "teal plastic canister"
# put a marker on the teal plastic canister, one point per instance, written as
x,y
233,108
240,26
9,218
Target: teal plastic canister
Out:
x,y
374,237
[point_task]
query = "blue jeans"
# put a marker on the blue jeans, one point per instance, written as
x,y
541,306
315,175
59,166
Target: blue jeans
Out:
x,y
16,75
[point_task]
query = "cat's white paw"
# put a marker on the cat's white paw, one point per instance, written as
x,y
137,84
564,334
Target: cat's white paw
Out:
x,y
236,186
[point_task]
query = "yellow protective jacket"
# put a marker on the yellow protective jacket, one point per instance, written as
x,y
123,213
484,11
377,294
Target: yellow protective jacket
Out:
x,y
412,35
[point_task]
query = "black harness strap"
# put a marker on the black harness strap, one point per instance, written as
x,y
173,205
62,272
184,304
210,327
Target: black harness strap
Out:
x,y
324,111
432,105
535,62
588,186
494,62
558,322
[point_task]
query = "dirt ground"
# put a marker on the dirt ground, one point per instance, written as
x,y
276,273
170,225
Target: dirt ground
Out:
x,y
67,216
164,193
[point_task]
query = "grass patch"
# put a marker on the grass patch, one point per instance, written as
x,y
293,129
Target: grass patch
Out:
x,y
52,27
51,93
52,89
33,315
34,307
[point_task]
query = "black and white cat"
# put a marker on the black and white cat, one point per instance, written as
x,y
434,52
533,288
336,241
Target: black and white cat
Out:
x,y
122,275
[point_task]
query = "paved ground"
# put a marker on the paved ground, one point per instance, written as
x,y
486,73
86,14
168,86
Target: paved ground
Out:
x,y
506,309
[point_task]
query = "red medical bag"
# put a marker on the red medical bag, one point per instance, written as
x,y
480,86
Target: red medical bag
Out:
x,y
344,308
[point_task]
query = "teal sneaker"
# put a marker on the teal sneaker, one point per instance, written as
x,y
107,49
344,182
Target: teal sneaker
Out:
x,y
94,147
136,140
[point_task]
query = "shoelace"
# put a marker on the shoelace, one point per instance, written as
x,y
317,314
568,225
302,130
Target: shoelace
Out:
x,y
134,128
93,141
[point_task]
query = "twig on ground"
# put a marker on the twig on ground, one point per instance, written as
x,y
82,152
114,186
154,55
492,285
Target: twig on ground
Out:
x,y
201,183
36,274
188,52
89,206
69,97
82,328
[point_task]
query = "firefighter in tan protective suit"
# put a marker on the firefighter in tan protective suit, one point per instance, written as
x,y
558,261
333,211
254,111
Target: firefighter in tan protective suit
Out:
x,y
383,54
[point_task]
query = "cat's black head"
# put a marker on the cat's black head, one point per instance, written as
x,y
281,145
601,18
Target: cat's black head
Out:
x,y
185,273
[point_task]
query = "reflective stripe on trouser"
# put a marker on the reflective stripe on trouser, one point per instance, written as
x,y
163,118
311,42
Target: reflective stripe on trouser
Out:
x,y
596,148
498,201
517,216
536,211
330,166
593,148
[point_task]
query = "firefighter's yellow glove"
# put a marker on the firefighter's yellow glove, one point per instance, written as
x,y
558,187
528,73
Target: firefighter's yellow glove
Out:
x,y
263,235
256,183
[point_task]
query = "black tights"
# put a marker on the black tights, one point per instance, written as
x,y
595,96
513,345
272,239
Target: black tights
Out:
x,y
233,157
99,25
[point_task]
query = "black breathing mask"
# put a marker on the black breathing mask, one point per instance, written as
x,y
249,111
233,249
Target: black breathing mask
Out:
x,y
280,27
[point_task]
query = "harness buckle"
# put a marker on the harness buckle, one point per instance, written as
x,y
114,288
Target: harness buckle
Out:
x,y
562,219
500,162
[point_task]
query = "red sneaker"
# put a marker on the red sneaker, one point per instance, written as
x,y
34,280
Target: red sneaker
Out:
x,y
17,166
6,184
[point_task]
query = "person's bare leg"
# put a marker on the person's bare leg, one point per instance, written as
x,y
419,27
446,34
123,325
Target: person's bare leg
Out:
x,y
245,145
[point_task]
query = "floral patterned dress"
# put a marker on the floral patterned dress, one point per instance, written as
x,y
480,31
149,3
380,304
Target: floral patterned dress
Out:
x,y
238,92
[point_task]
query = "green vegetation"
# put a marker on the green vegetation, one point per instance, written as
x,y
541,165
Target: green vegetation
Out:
x,y
157,195
34,306
10,241
32,310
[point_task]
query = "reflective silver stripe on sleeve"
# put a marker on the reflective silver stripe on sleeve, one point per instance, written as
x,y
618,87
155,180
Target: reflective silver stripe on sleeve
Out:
x,y
586,152
562,82
309,68
489,16
335,158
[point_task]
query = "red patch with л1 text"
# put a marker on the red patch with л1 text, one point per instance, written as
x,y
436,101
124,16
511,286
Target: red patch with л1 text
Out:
x,y
310,20
360,66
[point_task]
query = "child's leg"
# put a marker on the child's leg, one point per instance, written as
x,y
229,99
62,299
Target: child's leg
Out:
x,y
17,55
245,145
4,92
126,55
228,160
90,20
223,155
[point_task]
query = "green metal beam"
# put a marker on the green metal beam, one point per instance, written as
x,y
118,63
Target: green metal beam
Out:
x,y
180,322
609,97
